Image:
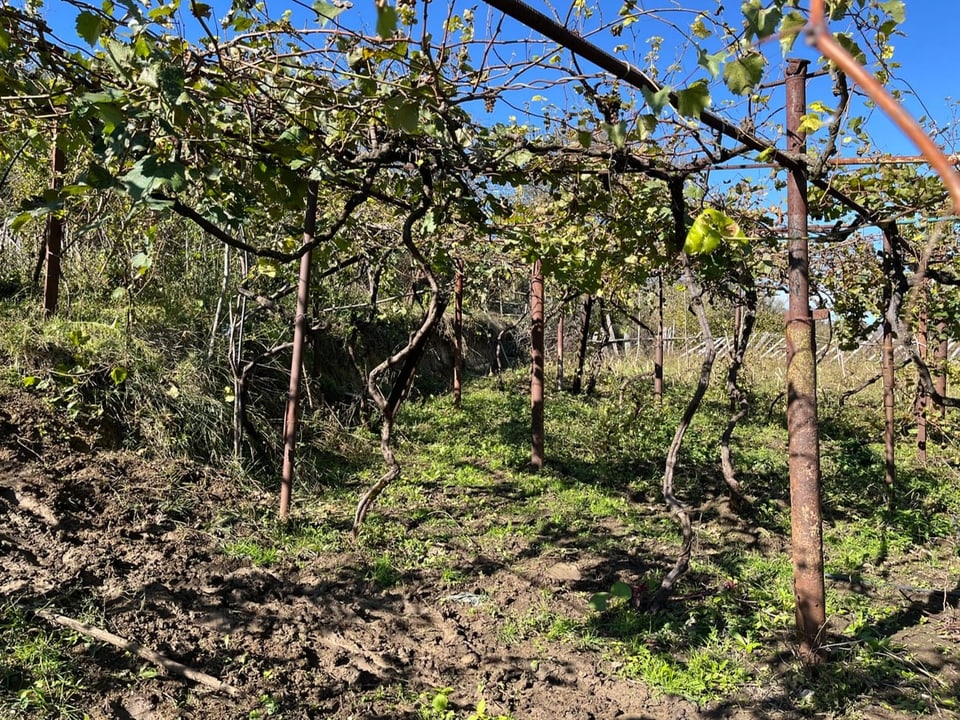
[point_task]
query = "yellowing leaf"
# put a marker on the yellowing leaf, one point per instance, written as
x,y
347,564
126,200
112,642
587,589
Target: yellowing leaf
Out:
x,y
709,230
809,123
791,26
268,267
699,29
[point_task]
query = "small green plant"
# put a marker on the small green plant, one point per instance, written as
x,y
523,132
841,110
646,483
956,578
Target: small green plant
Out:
x,y
258,553
619,591
38,677
384,571
437,707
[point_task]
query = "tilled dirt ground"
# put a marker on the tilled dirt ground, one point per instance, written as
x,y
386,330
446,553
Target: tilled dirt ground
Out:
x,y
120,540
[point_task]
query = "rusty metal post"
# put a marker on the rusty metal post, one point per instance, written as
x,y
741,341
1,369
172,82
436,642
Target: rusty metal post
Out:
x,y
458,334
536,365
53,247
806,524
296,362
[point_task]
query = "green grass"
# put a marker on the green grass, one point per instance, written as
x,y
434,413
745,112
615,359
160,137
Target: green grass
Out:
x,y
39,675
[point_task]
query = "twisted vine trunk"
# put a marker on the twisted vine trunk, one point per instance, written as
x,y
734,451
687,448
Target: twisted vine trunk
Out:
x,y
406,359
899,287
658,347
577,384
458,334
673,454
53,247
536,366
738,400
678,208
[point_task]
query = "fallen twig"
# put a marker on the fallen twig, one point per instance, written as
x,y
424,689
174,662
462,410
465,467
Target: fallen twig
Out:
x,y
171,666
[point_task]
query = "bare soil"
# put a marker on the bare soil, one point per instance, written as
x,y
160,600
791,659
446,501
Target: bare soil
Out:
x,y
124,541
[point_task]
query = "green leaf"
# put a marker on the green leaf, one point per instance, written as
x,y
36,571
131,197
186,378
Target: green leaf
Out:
x,y
895,9
429,223
766,155
791,26
387,20
600,601
692,101
622,590
847,41
709,230
327,12
201,10
148,175
88,27
98,177
403,114
585,138
20,220
761,22
744,73
4,40
710,62
617,133
118,375
519,158
646,124
141,263
658,100
148,77
161,13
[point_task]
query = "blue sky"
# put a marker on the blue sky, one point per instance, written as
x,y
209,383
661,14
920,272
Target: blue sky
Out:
x,y
924,56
